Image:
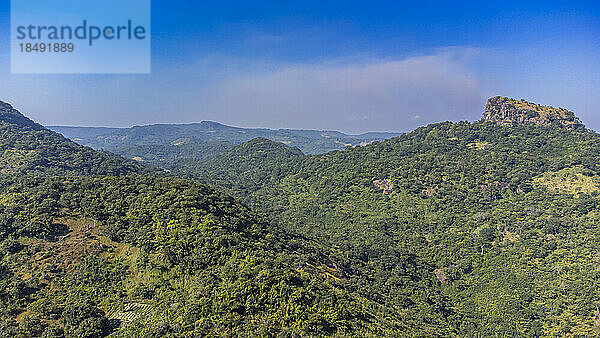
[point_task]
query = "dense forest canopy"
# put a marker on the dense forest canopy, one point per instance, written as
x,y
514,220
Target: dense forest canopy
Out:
x,y
487,228
504,214
174,156
96,245
194,260
29,148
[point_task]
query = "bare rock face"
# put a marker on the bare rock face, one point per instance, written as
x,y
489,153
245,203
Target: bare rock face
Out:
x,y
385,185
441,276
504,111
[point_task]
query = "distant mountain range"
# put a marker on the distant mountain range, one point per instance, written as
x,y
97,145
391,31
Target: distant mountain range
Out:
x,y
469,229
308,141
94,245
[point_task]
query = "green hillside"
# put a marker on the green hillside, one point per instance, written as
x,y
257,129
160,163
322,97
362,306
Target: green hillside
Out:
x,y
28,148
454,229
93,245
504,217
170,156
191,259
246,168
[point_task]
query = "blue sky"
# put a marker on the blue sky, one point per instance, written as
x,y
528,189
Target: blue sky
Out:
x,y
353,66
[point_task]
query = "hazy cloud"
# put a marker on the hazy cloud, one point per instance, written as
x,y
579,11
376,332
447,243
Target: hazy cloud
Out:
x,y
352,95
372,94
376,94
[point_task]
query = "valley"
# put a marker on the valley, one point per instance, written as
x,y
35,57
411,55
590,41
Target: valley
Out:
x,y
454,229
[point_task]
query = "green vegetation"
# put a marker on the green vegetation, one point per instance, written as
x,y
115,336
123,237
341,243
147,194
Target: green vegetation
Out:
x,y
201,262
455,229
489,210
174,156
572,180
245,168
89,255
125,140
28,148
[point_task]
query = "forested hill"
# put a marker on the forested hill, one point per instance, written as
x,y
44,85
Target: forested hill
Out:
x,y
488,228
28,148
506,216
244,168
156,257
160,135
9,115
171,156
92,245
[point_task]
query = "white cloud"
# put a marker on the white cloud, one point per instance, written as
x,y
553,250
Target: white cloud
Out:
x,y
378,94
354,96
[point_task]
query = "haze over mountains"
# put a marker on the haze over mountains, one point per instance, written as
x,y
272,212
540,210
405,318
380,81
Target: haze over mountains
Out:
x,y
309,141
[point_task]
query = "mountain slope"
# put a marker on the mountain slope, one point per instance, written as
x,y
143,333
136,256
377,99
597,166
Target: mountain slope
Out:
x,y
245,168
89,255
103,244
83,134
505,216
309,141
170,156
28,148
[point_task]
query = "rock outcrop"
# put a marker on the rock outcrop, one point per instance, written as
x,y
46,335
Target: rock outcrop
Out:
x,y
503,111
385,185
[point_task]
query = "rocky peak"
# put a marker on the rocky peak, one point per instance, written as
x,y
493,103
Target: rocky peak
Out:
x,y
503,111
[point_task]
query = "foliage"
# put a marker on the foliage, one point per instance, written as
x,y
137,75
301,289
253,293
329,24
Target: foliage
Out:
x,y
125,140
571,180
206,265
169,156
455,229
28,148
510,223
